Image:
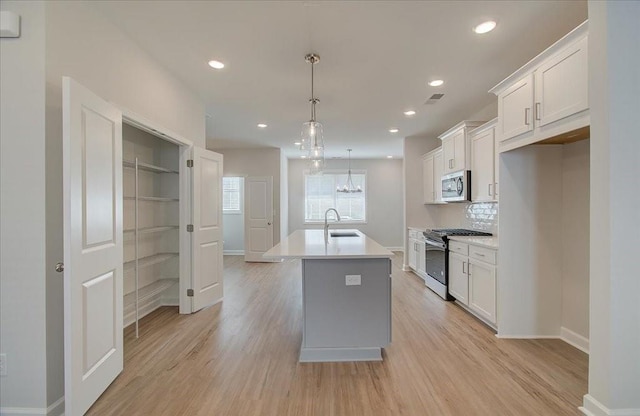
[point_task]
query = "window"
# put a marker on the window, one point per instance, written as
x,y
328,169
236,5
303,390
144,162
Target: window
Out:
x,y
320,194
232,195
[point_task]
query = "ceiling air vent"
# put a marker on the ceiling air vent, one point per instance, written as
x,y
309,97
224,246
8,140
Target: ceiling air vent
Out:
x,y
434,98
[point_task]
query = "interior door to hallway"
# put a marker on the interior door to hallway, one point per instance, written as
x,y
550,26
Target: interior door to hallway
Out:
x,y
258,217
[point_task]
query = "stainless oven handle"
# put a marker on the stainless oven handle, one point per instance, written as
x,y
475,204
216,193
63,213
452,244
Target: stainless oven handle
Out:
x,y
434,243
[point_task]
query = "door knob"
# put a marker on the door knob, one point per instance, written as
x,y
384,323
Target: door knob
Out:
x,y
60,267
268,223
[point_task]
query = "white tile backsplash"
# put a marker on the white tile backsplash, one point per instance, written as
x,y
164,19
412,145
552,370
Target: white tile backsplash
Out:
x,y
482,216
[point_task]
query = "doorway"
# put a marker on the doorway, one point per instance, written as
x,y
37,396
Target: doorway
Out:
x,y
233,215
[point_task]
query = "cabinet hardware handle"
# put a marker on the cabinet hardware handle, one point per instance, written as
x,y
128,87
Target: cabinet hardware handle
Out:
x,y
526,116
537,111
495,188
478,254
463,272
490,189
469,269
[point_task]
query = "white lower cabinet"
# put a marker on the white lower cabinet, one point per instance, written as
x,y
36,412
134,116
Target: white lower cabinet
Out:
x,y
458,278
473,279
482,289
416,253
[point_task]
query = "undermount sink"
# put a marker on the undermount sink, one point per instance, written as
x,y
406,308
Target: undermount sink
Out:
x,y
343,234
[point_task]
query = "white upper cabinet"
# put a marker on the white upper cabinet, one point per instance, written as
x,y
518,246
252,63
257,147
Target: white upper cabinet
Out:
x,y
562,84
548,97
483,166
432,177
456,147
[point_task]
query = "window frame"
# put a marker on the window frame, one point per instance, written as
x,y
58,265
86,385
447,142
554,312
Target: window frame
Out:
x,y
240,209
307,172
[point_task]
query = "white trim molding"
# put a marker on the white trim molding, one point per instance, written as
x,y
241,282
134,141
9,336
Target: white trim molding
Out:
x,y
233,252
400,249
592,407
574,339
55,409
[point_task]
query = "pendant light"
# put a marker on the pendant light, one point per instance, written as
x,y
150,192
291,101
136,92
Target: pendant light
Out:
x,y
348,187
311,137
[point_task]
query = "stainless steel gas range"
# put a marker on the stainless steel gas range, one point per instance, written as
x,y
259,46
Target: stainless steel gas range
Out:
x,y
437,257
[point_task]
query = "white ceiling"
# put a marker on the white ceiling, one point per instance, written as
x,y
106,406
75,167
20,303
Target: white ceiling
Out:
x,y
376,57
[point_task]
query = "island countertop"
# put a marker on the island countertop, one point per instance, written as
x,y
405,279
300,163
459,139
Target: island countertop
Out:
x,y
310,244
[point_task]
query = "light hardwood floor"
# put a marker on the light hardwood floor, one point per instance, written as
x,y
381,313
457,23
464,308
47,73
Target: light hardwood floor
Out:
x,y
240,357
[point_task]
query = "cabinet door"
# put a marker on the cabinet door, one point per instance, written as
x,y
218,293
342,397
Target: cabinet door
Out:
x,y
438,167
421,258
562,85
448,154
460,151
482,289
458,279
482,167
428,180
514,109
413,261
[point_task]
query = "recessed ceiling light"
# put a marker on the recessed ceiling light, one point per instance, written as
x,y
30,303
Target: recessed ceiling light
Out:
x,y
485,27
216,64
436,82
262,125
409,113
297,143
389,157
393,130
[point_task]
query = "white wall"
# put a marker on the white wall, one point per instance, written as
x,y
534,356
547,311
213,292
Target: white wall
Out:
x,y
384,199
257,162
575,238
614,88
233,227
530,254
23,220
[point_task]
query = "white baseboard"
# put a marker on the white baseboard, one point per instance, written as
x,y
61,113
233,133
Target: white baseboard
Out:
x,y
574,339
592,407
146,308
55,409
401,249
233,252
566,335
406,268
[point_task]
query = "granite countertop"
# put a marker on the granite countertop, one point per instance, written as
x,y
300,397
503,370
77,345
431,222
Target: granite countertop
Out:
x,y
488,242
310,244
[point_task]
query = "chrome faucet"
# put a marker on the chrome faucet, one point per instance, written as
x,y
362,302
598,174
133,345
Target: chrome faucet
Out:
x,y
326,224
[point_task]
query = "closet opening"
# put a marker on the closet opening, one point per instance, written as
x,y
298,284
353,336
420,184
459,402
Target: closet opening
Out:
x,y
151,223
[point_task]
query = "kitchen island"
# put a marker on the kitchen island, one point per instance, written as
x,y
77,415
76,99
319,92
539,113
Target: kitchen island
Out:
x,y
346,294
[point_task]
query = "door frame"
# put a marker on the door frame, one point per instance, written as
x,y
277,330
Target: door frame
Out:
x,y
185,150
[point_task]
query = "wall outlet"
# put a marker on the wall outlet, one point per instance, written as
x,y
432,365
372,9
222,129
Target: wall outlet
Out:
x,y
353,280
3,365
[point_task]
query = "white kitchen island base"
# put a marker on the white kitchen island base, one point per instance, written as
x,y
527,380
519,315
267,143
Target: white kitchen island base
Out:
x,y
346,295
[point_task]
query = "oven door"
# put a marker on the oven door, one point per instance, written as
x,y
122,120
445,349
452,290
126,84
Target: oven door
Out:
x,y
435,258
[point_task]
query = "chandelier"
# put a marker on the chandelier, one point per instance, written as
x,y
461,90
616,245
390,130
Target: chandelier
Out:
x,y
311,137
349,187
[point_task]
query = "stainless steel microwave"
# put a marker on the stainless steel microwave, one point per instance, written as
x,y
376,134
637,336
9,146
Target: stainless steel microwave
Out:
x,y
456,186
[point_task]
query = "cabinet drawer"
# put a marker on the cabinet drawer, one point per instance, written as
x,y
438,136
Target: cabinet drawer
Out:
x,y
458,247
483,254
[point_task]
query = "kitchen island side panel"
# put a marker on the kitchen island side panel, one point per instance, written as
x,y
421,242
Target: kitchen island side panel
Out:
x,y
337,315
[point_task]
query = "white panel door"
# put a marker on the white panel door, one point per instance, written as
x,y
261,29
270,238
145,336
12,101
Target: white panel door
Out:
x,y
438,169
482,166
562,84
93,249
428,190
258,217
482,289
207,278
514,109
458,279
